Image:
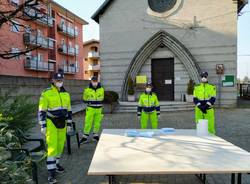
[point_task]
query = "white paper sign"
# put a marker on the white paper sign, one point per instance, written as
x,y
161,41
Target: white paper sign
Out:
x,y
168,81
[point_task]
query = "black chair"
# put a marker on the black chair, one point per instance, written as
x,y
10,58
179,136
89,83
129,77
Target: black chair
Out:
x,y
69,135
36,154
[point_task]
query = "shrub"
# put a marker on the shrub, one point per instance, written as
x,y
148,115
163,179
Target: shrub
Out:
x,y
12,172
190,87
17,111
131,87
110,97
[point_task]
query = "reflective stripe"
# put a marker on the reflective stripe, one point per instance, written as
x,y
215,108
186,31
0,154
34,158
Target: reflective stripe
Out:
x,y
95,105
51,166
58,159
51,159
50,115
42,122
58,108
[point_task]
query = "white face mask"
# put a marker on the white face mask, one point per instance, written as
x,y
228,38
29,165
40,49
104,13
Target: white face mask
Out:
x,y
148,90
59,84
94,84
204,80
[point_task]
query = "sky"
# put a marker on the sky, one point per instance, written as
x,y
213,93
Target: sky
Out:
x,y
86,8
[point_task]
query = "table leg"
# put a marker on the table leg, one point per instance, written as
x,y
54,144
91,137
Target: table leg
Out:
x,y
239,178
201,177
111,179
204,179
233,178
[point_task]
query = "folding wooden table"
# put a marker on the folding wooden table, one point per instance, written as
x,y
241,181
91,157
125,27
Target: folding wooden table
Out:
x,y
181,152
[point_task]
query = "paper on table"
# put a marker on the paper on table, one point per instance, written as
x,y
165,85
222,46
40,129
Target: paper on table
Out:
x,y
167,130
135,133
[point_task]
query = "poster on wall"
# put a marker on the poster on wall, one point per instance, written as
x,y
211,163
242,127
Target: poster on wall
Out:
x,y
141,79
228,81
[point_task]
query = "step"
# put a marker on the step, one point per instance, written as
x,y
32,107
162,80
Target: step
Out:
x,y
164,110
125,107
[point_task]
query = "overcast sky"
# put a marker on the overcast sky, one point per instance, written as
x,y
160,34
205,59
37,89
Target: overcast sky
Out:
x,y
86,8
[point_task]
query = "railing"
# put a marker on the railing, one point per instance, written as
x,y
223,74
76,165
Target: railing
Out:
x,y
38,16
37,40
93,54
244,90
69,69
94,67
67,30
64,49
32,63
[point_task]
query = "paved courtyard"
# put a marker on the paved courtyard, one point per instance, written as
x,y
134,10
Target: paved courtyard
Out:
x,y
232,125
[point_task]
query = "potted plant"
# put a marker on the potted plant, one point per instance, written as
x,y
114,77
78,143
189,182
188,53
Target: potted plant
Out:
x,y
190,89
131,90
110,101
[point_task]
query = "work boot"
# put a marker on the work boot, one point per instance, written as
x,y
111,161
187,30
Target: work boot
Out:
x,y
84,139
59,168
95,137
51,178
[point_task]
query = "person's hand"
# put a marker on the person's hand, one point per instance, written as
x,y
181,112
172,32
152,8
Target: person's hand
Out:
x,y
43,130
158,116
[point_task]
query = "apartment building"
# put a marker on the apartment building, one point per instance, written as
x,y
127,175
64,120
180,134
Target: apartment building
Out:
x,y
92,62
55,38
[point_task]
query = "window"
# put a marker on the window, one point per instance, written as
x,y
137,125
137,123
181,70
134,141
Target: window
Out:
x,y
15,51
28,29
15,27
62,42
62,22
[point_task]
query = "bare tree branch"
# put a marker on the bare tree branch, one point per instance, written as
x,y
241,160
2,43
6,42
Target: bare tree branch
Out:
x,y
10,55
26,11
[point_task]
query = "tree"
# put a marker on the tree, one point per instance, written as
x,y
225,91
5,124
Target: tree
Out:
x,y
246,79
9,14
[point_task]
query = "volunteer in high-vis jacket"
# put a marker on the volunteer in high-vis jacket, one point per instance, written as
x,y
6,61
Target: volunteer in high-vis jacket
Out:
x,y
204,99
55,118
93,96
148,108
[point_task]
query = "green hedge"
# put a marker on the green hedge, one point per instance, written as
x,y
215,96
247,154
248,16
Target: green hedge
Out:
x,y
110,97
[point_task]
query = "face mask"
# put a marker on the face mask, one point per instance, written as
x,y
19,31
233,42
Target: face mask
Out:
x,y
59,84
204,80
94,84
148,90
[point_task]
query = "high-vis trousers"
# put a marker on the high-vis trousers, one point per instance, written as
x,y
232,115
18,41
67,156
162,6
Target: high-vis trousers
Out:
x,y
55,139
93,115
208,116
145,116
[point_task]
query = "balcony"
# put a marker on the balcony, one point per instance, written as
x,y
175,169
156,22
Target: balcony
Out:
x,y
94,67
67,50
33,63
36,40
69,69
93,54
39,17
67,30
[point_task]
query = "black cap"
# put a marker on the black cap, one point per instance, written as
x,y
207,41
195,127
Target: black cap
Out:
x,y
149,84
94,78
204,74
58,76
